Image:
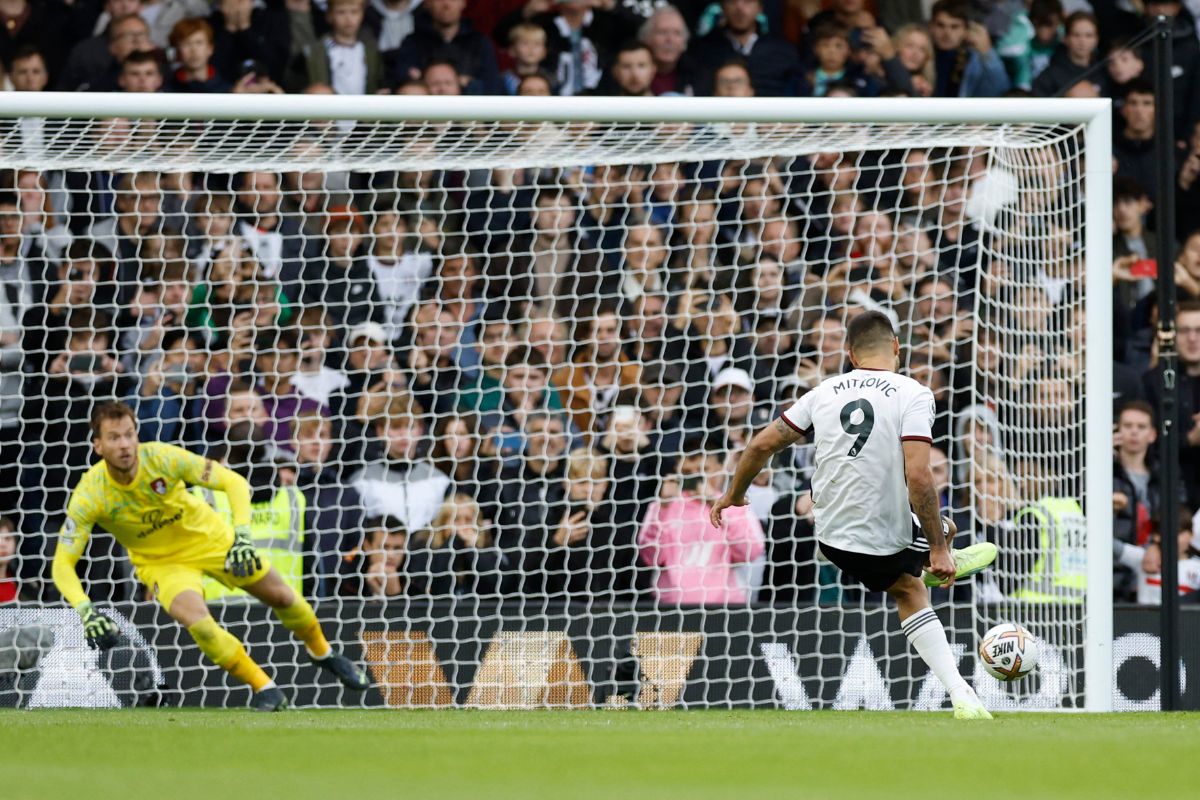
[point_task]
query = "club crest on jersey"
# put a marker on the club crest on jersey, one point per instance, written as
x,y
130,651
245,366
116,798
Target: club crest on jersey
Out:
x,y
159,486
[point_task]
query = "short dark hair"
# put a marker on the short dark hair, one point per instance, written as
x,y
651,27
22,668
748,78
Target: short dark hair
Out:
x,y
1139,85
630,46
869,329
142,57
1136,405
1126,188
111,411
951,8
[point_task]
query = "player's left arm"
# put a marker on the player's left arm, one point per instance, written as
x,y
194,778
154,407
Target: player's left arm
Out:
x,y
242,560
766,443
916,438
199,471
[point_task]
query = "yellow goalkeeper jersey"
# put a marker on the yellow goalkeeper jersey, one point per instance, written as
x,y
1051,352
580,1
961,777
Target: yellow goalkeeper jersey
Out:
x,y
154,516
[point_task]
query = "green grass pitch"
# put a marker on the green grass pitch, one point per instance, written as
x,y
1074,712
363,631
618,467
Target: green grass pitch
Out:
x,y
344,755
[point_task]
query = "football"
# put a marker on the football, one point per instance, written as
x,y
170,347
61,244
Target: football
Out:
x,y
1008,652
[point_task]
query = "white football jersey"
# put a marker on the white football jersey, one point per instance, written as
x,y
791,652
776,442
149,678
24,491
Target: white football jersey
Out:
x,y
858,421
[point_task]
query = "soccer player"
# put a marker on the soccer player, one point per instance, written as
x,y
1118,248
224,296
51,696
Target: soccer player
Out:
x,y
874,499
137,492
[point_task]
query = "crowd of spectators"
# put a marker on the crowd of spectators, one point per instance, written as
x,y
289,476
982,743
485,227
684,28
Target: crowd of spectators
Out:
x,y
532,382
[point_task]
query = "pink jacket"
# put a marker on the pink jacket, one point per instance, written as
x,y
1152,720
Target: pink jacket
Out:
x,y
695,560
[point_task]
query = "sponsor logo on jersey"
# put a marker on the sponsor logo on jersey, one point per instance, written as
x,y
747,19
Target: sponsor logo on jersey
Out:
x,y
155,520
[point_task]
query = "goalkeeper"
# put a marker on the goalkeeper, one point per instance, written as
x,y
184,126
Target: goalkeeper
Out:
x,y
137,493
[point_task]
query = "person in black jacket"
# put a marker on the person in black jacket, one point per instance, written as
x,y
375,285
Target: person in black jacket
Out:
x,y
343,282
1187,326
533,486
1133,140
1074,57
1136,493
773,62
249,40
441,32
335,524
457,556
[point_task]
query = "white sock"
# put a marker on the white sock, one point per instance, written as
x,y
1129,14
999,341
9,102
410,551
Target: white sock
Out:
x,y
924,630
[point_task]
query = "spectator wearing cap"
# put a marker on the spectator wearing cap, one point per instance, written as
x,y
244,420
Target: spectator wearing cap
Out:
x,y
346,59
732,411
441,32
771,60
598,373
343,282
666,33
368,359
694,562
192,40
250,41
403,483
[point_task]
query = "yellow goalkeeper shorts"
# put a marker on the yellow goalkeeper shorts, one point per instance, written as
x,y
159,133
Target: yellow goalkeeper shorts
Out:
x,y
166,579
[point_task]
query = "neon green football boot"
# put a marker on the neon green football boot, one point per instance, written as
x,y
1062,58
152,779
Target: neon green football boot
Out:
x,y
969,561
971,710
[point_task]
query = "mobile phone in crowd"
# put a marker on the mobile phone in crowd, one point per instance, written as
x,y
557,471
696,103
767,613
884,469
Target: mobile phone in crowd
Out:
x,y
1144,268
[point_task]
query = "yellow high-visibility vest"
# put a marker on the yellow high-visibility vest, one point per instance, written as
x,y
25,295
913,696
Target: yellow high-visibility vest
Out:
x,y
277,530
1060,573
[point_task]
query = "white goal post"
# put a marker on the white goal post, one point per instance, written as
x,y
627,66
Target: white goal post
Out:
x,y
774,141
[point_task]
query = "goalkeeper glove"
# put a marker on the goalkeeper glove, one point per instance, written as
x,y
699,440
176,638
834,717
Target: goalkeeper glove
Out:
x,y
99,630
242,560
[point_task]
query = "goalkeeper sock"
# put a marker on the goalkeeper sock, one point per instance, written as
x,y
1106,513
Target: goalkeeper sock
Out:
x,y
300,619
224,650
924,630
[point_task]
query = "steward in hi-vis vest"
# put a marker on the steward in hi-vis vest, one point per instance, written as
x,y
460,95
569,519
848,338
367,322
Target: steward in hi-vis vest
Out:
x,y
276,528
1056,531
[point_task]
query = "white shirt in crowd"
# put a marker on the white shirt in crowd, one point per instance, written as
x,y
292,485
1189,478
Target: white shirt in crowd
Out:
x,y
413,495
347,67
318,385
860,497
399,286
1149,585
267,247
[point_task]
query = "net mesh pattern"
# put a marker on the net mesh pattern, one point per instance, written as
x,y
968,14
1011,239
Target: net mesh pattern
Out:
x,y
480,376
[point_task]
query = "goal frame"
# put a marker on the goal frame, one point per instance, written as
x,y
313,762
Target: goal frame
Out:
x,y
1093,114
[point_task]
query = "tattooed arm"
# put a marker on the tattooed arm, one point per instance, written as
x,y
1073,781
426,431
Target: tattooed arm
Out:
x,y
766,443
922,495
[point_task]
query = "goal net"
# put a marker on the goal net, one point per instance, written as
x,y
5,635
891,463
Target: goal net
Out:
x,y
485,366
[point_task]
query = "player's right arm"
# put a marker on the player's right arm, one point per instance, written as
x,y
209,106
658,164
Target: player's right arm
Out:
x,y
765,444
72,542
922,495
